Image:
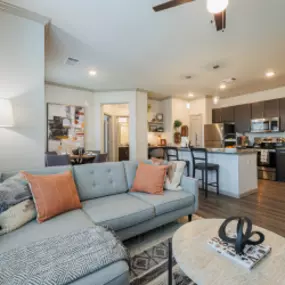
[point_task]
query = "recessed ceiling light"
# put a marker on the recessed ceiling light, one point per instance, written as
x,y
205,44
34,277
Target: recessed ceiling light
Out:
x,y
216,100
188,105
223,86
190,95
92,72
269,74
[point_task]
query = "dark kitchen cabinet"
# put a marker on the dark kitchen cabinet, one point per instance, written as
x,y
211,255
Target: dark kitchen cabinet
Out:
x,y
216,116
282,114
124,153
271,108
227,115
242,118
257,110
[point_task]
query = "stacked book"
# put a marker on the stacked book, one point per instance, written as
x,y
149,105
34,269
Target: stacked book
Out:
x,y
252,254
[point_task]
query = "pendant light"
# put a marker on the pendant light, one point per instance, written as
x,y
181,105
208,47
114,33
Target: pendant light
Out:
x,y
217,6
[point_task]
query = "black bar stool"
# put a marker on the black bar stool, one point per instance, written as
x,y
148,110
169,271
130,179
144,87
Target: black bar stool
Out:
x,y
205,167
172,154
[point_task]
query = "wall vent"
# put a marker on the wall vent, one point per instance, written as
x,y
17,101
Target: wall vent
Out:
x,y
71,61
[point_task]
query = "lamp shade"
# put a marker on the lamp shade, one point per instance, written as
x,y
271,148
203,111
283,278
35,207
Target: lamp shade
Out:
x,y
6,113
217,6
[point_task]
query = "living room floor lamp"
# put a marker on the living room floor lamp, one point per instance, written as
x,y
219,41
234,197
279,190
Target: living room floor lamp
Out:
x,y
6,113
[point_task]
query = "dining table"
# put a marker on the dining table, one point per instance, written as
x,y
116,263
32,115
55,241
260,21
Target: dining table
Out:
x,y
82,158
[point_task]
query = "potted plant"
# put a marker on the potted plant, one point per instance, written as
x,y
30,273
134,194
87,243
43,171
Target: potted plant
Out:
x,y
177,135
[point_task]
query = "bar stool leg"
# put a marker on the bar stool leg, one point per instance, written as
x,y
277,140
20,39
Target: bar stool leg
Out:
x,y
170,262
218,182
206,182
203,180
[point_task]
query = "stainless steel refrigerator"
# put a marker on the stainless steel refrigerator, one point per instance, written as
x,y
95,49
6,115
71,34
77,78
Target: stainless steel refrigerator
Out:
x,y
219,135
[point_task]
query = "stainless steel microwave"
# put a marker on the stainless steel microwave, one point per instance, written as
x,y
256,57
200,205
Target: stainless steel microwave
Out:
x,y
265,125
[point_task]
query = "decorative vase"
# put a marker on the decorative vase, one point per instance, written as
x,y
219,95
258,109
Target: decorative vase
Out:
x,y
177,137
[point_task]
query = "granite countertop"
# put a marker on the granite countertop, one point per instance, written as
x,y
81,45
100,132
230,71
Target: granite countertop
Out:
x,y
232,151
235,151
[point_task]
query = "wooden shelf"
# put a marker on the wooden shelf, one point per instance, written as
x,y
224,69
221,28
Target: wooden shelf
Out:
x,y
155,123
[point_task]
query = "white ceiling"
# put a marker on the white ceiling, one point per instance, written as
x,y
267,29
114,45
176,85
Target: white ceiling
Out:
x,y
130,46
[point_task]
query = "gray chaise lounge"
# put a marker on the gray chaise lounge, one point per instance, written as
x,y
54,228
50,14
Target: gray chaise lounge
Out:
x,y
103,190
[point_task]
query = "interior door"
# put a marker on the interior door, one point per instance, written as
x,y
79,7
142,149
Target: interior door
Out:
x,y
196,131
108,136
122,134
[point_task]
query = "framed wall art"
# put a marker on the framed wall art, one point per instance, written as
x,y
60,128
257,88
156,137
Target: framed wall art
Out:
x,y
65,127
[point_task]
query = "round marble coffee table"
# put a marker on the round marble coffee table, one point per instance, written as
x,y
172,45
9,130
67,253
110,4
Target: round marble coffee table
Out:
x,y
205,266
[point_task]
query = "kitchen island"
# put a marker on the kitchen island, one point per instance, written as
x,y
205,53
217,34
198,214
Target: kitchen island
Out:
x,y
238,170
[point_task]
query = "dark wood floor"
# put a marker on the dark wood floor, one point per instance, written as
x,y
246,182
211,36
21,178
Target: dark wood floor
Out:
x,y
265,208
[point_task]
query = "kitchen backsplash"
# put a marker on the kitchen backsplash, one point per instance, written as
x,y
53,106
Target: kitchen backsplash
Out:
x,y
251,136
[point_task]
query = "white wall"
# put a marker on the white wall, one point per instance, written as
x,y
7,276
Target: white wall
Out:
x,y
116,110
168,120
22,80
179,111
141,126
63,95
252,97
137,102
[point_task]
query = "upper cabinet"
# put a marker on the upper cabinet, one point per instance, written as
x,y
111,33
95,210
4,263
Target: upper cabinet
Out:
x,y
257,110
241,115
271,108
242,118
265,109
216,116
282,114
223,115
227,115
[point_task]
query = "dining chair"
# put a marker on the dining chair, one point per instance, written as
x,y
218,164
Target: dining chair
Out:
x,y
51,152
57,160
78,151
100,158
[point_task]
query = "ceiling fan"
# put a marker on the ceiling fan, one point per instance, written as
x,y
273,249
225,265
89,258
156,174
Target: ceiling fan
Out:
x,y
215,7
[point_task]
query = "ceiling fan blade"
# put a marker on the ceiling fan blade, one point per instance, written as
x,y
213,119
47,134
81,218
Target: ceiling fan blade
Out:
x,y
170,4
220,20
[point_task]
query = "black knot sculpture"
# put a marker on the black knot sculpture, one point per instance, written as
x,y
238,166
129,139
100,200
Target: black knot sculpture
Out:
x,y
243,235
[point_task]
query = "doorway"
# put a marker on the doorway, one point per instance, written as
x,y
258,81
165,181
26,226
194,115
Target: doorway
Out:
x,y
196,130
122,138
108,136
116,131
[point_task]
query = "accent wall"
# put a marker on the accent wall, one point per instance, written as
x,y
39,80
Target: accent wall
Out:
x,y
22,81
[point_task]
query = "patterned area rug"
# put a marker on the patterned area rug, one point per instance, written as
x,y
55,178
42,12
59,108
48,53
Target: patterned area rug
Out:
x,y
150,265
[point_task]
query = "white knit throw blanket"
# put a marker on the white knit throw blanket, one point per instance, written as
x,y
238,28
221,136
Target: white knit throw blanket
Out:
x,y
62,259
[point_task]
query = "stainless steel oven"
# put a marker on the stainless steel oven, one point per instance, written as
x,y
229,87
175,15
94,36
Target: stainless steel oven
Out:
x,y
265,125
266,167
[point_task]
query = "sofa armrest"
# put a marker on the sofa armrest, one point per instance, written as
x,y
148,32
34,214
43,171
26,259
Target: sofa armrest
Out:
x,y
191,185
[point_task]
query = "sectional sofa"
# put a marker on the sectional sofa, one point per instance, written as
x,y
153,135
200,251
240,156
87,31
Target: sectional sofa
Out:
x,y
104,193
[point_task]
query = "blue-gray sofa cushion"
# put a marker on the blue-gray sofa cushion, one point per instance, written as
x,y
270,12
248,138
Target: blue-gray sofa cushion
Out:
x,y
39,171
100,179
131,170
114,274
33,231
118,211
170,201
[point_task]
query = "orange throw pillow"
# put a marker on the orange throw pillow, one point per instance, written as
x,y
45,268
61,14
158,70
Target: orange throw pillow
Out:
x,y
149,179
53,194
